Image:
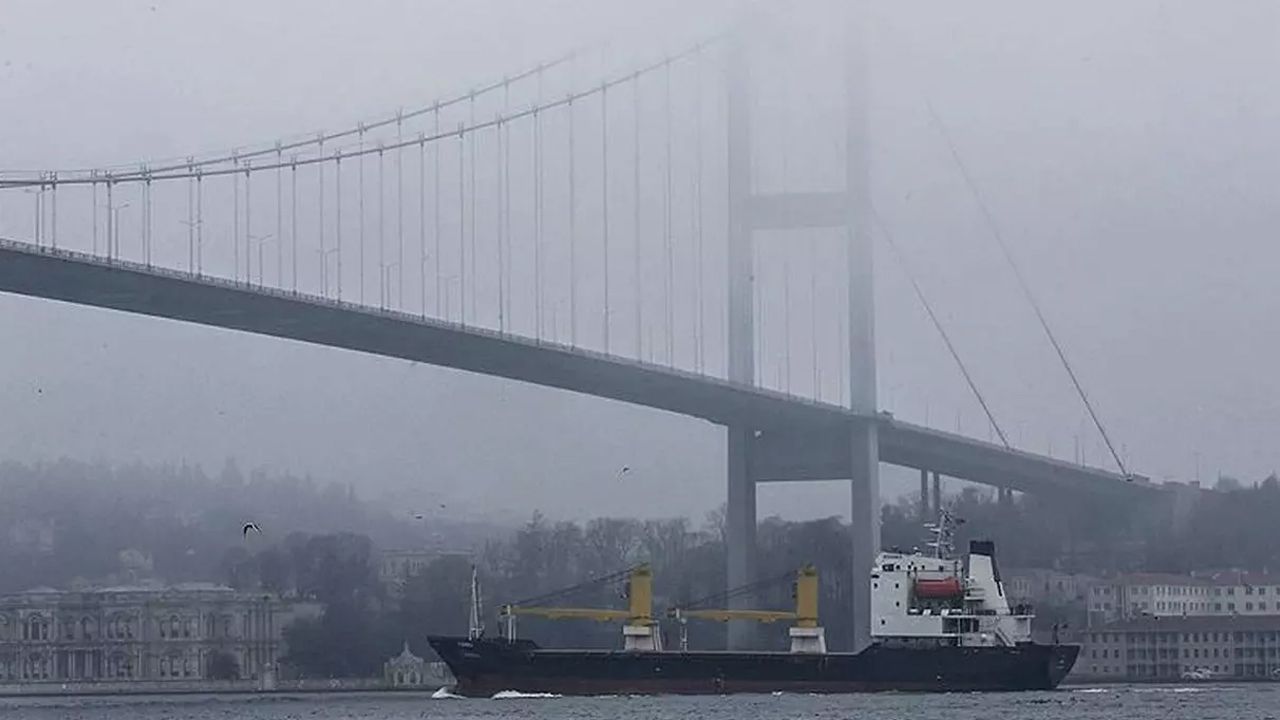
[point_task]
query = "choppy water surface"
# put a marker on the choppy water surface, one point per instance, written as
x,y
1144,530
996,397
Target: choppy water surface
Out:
x,y
1129,703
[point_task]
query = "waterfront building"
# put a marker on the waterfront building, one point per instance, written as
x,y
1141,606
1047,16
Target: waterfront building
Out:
x,y
191,631
1240,647
1043,586
396,566
1159,595
405,670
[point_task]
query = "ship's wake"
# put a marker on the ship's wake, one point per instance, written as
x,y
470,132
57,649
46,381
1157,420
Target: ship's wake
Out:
x,y
513,694
445,693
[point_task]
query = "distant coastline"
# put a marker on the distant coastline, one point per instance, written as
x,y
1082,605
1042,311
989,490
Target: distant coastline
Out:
x,y
207,687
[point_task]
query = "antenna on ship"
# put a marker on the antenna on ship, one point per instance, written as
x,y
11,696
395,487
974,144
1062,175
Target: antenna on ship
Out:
x,y
475,629
943,532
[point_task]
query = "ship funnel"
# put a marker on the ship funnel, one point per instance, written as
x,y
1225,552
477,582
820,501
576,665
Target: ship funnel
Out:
x,y
984,575
982,547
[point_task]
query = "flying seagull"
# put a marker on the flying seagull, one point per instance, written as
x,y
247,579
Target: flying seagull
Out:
x,y
251,526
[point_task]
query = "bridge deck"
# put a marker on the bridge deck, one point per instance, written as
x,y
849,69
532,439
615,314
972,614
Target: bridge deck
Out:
x,y
799,438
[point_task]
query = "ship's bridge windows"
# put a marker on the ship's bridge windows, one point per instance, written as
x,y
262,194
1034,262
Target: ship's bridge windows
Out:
x,y
888,567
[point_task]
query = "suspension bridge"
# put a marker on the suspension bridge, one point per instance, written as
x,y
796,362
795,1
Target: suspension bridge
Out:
x,y
599,237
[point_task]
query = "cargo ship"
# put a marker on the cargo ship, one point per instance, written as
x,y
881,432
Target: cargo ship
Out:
x,y
938,624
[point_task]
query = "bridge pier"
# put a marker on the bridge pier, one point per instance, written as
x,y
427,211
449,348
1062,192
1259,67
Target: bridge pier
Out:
x,y
1004,497
740,511
864,444
864,525
937,493
740,528
924,496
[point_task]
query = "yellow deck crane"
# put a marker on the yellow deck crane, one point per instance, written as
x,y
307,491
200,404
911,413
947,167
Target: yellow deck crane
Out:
x,y
806,634
639,630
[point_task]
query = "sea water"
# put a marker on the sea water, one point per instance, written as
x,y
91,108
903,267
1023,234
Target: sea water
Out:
x,y
1190,702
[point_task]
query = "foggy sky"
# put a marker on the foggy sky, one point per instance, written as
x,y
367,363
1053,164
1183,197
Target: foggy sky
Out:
x,y
1129,153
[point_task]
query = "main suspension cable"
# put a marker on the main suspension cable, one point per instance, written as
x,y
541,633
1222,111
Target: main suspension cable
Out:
x,y
994,228
937,322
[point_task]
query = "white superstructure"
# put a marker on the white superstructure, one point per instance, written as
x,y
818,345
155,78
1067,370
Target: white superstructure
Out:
x,y
920,598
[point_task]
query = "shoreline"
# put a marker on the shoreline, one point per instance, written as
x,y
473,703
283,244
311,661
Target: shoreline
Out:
x,y
353,688
325,687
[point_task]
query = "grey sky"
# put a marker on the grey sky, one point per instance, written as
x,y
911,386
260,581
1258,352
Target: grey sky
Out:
x,y
1129,153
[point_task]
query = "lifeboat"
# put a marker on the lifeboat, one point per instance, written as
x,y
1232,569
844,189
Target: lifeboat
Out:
x,y
940,589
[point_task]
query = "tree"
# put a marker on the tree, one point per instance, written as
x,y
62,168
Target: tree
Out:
x,y
274,571
436,600
337,570
239,569
342,642
355,633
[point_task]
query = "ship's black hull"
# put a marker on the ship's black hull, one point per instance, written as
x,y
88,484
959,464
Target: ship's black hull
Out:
x,y
485,667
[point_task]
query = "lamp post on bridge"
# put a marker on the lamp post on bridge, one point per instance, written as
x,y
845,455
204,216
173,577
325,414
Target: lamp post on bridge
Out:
x,y
260,240
192,226
324,269
113,227
384,301
39,210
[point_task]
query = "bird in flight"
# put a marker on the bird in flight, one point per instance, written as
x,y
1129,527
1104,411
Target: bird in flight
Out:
x,y
251,526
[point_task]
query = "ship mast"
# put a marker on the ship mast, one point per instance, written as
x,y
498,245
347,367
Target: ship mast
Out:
x,y
943,535
475,628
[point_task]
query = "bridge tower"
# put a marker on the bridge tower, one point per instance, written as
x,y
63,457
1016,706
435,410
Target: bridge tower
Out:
x,y
847,209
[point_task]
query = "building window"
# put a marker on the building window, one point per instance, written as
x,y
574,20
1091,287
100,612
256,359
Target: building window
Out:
x,y
36,628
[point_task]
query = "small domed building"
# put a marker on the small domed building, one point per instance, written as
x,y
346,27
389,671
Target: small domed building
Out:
x,y
405,670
